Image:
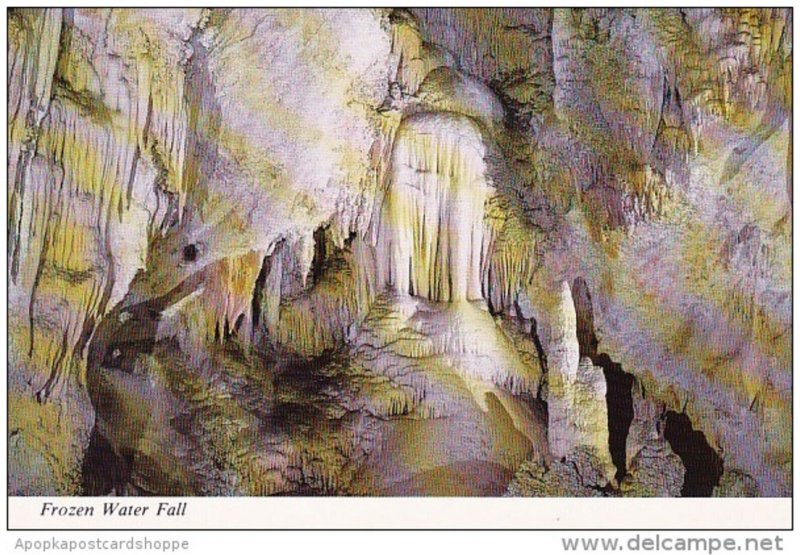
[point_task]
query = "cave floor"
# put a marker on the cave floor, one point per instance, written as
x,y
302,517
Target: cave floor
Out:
x,y
404,411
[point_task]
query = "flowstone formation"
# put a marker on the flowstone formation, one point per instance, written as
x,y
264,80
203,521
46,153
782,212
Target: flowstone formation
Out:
x,y
526,252
431,228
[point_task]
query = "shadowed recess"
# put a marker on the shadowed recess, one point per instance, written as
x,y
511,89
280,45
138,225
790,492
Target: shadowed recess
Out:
x,y
703,464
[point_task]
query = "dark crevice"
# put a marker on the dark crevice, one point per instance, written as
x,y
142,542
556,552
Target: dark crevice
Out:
x,y
538,344
190,253
321,253
102,472
305,378
121,339
238,325
258,290
619,398
703,464
619,384
587,340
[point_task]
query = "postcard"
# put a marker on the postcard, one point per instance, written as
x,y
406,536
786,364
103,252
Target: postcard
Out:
x,y
519,268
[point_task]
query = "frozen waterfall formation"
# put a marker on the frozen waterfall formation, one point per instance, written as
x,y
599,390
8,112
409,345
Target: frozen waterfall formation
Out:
x,y
432,235
400,252
433,240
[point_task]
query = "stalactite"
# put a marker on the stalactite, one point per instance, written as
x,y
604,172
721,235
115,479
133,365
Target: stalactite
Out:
x,y
324,317
85,227
510,253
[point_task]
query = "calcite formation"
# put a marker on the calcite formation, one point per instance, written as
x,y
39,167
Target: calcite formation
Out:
x,y
400,252
432,223
576,400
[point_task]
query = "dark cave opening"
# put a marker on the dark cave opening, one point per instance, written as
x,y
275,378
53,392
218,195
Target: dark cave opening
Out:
x,y
703,464
123,336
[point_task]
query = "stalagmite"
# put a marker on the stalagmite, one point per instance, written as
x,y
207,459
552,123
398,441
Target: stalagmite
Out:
x,y
576,405
432,222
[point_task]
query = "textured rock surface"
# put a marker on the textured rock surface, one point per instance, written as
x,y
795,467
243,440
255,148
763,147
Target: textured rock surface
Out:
x,y
655,472
576,400
577,477
235,236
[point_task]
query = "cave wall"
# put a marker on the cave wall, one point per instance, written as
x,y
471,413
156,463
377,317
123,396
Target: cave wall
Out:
x,y
129,129
186,159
